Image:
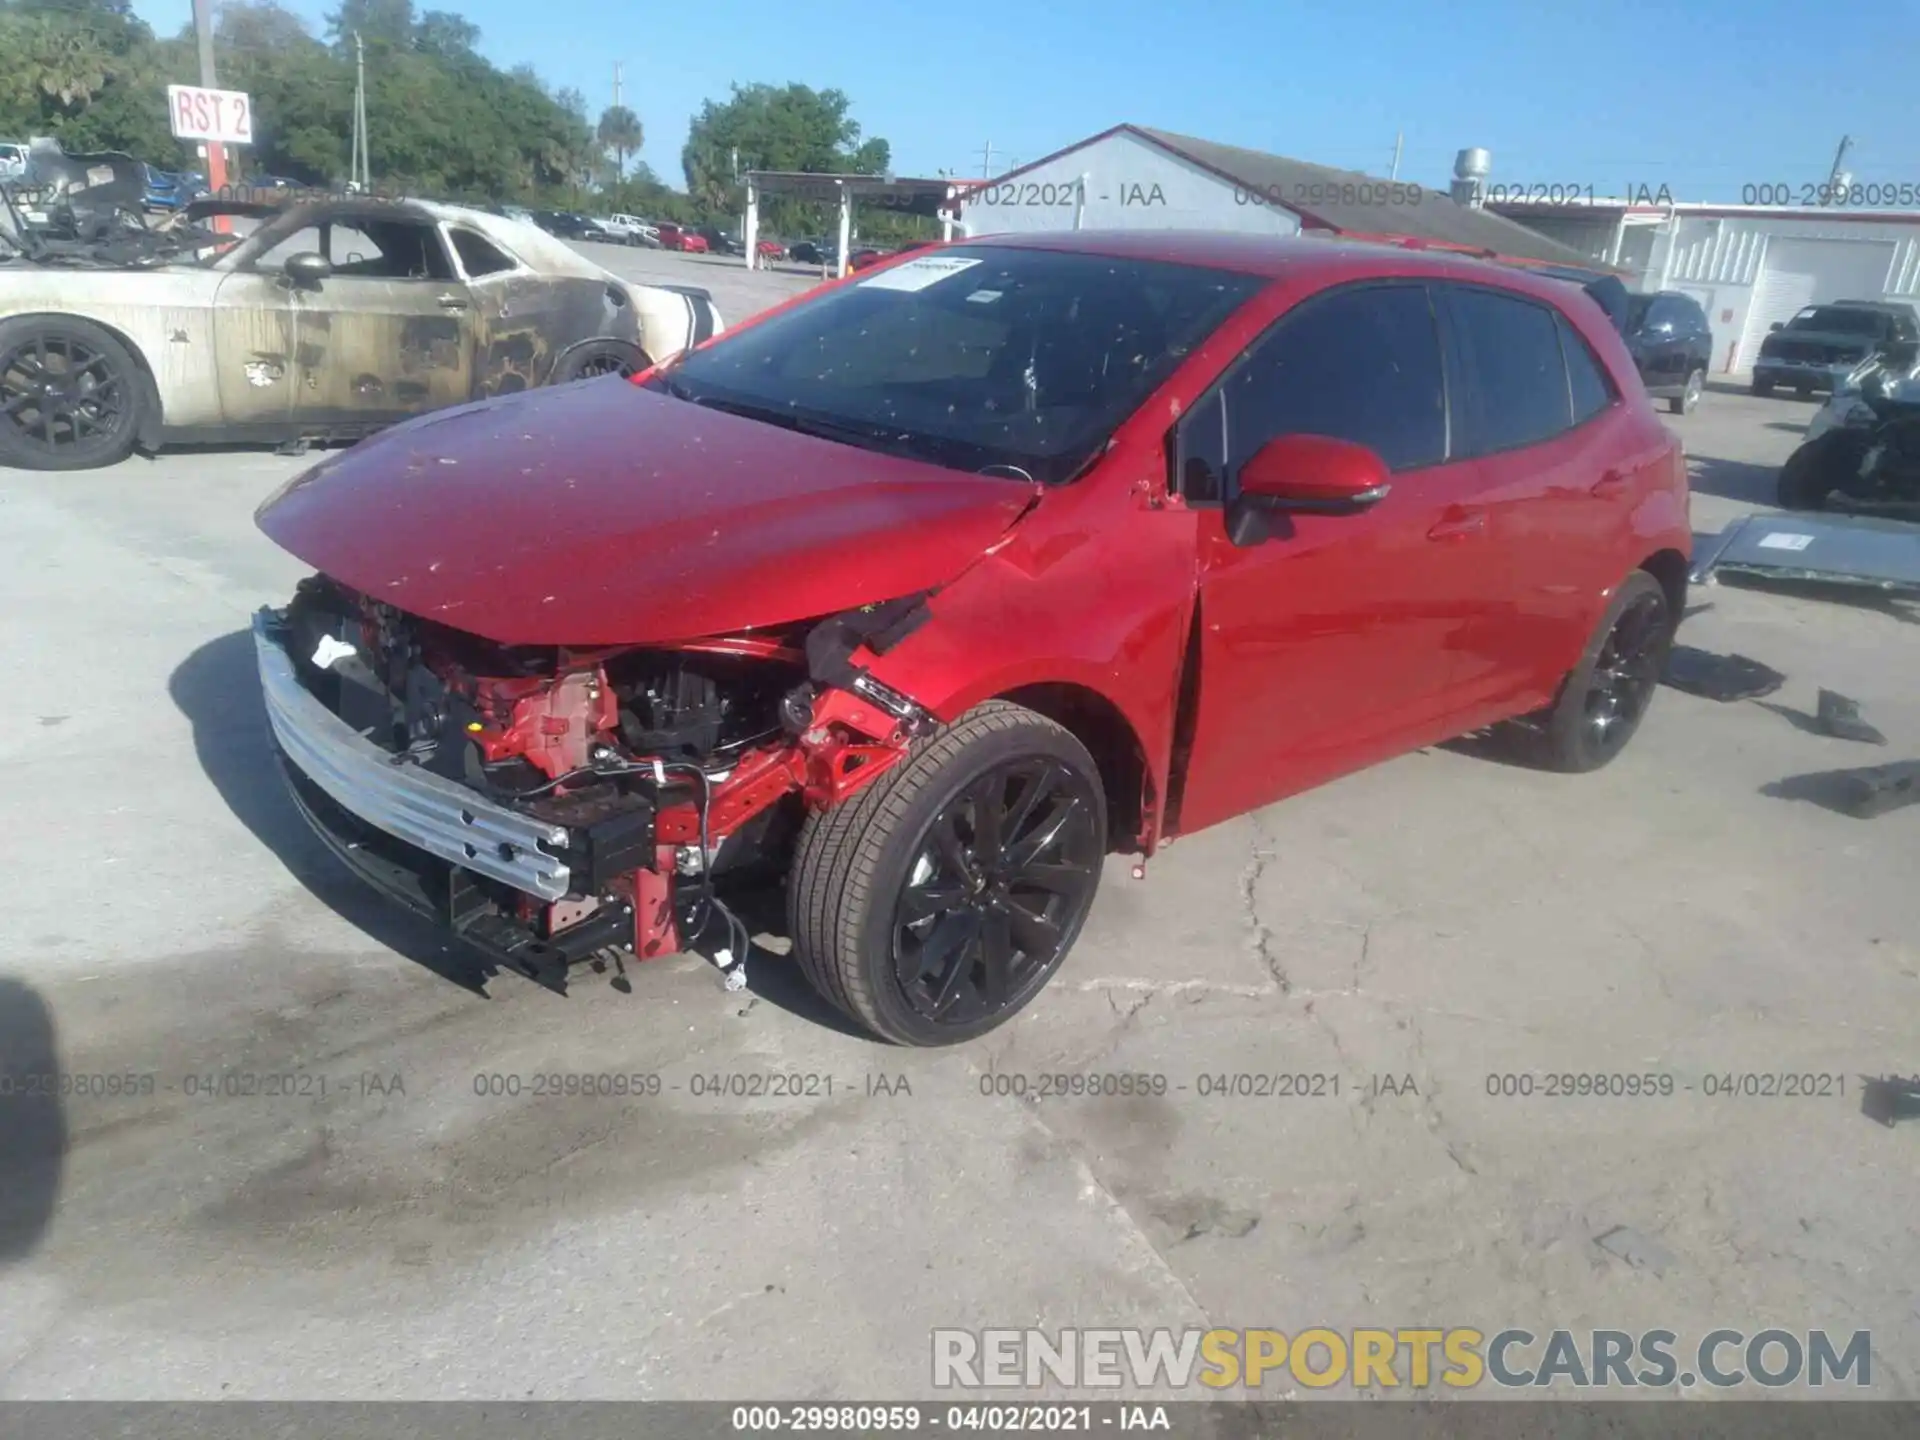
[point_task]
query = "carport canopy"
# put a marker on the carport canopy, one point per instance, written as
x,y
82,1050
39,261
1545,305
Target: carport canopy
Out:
x,y
932,198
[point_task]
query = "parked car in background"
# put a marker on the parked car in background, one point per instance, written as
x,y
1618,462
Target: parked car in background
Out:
x,y
679,237
165,190
629,229
722,242
815,252
1108,538
1861,454
334,317
568,226
1813,350
1672,345
13,159
770,250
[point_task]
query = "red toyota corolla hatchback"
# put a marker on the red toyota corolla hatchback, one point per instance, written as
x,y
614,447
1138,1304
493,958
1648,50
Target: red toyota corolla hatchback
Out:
x,y
923,593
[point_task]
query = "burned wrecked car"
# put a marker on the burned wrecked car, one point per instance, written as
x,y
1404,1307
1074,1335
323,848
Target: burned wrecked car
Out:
x,y
1862,451
923,593
323,318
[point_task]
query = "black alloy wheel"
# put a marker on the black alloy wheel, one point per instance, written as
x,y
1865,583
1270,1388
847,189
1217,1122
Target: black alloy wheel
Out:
x,y
1602,702
71,396
1002,878
601,357
937,902
1626,673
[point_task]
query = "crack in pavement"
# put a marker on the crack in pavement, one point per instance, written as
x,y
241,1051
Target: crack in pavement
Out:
x,y
1259,936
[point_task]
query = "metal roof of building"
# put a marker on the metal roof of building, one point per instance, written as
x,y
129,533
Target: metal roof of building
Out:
x,y
1358,204
1350,203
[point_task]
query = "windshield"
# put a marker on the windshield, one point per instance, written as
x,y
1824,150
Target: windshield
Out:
x,y
975,357
1837,320
1637,308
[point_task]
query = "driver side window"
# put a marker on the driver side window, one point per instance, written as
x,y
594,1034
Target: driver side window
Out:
x,y
1359,364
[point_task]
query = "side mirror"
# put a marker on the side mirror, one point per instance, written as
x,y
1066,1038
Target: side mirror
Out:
x,y
1776,325
1305,474
307,269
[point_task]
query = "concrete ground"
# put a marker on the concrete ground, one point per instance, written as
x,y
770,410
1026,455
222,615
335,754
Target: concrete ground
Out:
x,y
376,1224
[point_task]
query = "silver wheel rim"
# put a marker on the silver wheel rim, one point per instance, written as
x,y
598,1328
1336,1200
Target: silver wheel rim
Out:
x,y
1693,390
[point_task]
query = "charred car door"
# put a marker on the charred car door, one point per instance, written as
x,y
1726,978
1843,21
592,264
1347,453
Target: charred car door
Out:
x,y
254,346
387,331
517,325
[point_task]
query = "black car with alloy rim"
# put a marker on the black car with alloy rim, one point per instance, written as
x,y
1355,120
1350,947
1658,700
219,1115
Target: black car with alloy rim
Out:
x,y
71,397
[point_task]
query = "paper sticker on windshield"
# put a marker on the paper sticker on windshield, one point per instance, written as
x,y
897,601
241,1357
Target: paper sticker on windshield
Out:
x,y
983,297
1782,541
919,274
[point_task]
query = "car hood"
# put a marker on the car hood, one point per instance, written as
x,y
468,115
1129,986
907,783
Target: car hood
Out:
x,y
601,513
1853,344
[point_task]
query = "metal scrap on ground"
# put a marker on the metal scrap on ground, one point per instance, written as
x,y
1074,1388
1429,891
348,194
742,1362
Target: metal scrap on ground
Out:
x,y
1720,677
1840,718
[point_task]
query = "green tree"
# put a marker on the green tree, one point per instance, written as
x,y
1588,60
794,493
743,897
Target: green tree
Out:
x,y
790,127
440,32
378,22
621,132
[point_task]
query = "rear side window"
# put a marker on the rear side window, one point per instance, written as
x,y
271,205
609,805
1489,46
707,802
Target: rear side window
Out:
x,y
1360,365
1517,387
1587,379
478,256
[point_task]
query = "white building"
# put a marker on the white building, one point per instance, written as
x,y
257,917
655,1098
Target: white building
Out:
x,y
1750,266
1132,178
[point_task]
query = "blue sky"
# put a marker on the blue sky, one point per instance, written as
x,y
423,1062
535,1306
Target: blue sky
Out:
x,y
1703,98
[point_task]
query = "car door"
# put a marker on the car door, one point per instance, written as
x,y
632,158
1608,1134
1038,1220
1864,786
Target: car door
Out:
x,y
1331,643
1541,417
254,344
389,333
516,331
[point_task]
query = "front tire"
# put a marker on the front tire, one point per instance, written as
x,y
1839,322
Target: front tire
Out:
x,y
1604,699
1807,478
1688,400
72,397
941,899
1762,387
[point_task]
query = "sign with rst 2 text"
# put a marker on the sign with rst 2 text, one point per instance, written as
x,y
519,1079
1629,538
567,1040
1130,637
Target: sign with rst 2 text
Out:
x,y
223,117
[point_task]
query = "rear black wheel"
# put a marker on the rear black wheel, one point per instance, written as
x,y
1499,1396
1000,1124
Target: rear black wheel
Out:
x,y
71,396
1603,701
597,358
942,899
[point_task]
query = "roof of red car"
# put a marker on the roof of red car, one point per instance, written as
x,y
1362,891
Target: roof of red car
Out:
x,y
1291,256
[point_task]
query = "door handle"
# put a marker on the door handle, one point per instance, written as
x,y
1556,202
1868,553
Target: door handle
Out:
x,y
1457,522
1608,485
453,302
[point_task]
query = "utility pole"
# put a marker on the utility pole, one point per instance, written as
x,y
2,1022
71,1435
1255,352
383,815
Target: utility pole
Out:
x,y
362,171
616,82
1836,177
1398,139
986,161
216,152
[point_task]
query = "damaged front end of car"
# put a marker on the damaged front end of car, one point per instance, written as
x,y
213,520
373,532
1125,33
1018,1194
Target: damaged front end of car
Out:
x,y
1862,453
553,805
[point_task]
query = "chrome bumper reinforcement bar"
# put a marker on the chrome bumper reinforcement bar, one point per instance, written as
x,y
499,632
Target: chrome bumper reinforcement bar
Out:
x,y
426,810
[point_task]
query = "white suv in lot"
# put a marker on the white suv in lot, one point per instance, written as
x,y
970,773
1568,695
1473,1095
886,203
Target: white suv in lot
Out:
x,y
13,159
628,229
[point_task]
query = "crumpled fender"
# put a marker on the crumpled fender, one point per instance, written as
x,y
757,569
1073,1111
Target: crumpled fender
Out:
x,y
1093,588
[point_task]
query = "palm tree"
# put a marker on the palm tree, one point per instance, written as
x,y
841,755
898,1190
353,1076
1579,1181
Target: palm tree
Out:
x,y
620,132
